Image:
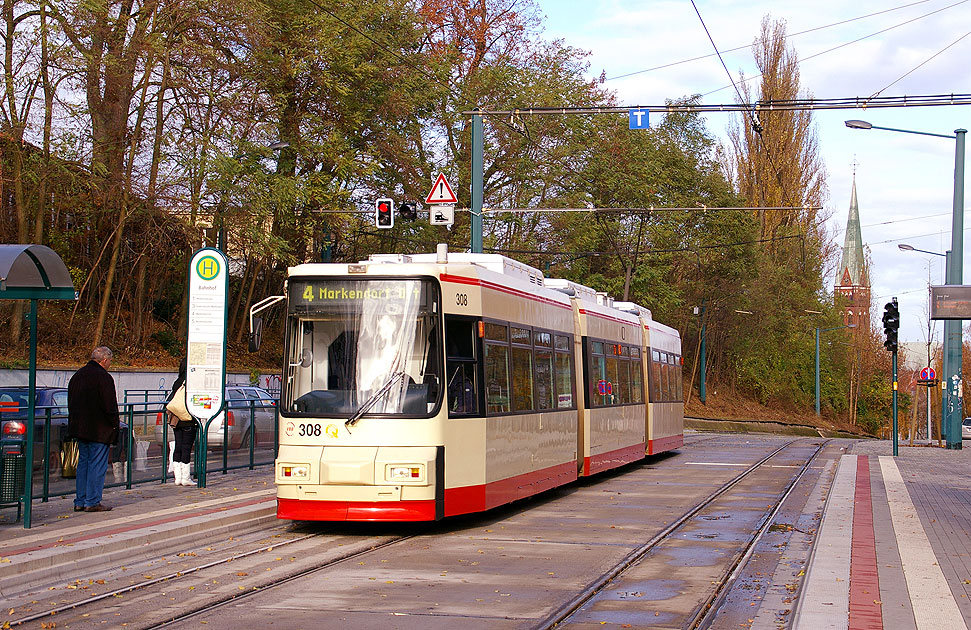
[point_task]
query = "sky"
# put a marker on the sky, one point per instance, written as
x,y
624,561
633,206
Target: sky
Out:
x,y
905,183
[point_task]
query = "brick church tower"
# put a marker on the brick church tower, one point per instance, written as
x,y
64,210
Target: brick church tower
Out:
x,y
852,278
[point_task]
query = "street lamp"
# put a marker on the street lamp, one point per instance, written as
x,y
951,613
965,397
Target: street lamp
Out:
x,y
947,259
955,273
904,247
819,330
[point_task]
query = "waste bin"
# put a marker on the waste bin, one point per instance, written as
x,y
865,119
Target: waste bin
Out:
x,y
12,464
141,455
69,459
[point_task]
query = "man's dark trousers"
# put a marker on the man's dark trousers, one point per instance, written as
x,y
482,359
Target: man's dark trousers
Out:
x,y
92,465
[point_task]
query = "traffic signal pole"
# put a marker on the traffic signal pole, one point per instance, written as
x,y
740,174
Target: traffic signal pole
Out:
x,y
895,432
891,324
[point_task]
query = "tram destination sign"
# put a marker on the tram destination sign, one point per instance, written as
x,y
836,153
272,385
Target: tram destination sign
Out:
x,y
951,302
344,294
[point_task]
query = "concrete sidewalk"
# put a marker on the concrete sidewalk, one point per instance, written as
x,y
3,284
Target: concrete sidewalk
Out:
x,y
149,520
894,546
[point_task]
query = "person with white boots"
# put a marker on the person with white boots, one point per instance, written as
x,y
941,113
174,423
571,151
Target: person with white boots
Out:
x,y
184,427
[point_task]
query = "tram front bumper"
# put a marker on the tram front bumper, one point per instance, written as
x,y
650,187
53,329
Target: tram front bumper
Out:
x,y
368,473
337,483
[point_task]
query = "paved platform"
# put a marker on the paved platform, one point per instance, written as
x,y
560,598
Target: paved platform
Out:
x,y
893,549
149,520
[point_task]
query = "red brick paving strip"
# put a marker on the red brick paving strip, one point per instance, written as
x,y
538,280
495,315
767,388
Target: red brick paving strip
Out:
x,y
865,609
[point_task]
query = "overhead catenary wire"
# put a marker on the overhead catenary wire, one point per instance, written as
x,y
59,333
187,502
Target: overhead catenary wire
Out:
x,y
644,251
844,45
920,65
752,115
846,102
791,35
644,209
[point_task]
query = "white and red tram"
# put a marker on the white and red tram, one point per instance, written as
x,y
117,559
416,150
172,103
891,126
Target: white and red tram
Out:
x,y
425,386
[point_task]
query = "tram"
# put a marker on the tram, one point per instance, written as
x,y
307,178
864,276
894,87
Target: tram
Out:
x,y
417,387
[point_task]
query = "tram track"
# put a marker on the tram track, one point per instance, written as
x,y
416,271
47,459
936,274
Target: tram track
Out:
x,y
705,611
76,607
216,587
329,564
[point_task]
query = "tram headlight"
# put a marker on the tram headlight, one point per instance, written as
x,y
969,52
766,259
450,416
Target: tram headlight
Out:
x,y
405,472
295,471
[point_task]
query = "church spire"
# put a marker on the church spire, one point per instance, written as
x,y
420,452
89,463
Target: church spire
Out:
x,y
851,269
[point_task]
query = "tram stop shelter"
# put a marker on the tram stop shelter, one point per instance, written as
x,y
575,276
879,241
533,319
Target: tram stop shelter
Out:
x,y
28,272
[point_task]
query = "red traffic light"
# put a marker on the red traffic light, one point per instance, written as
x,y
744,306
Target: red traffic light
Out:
x,y
384,213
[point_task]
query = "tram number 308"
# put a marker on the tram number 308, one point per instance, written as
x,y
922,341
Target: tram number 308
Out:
x,y
461,299
307,430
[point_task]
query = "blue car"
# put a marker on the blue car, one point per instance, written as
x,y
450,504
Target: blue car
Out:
x,y
47,401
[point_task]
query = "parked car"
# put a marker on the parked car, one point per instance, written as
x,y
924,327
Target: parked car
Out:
x,y
239,400
53,400
966,429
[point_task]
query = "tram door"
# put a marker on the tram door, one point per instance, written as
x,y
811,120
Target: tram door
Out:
x,y
460,366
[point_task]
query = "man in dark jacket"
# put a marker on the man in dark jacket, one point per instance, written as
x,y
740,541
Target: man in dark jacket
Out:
x,y
93,421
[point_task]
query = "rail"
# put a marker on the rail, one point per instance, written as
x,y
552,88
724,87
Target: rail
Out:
x,y
563,614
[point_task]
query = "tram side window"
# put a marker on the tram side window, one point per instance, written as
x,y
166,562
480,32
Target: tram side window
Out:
x,y
665,377
615,371
678,365
564,373
460,359
497,368
655,384
543,343
623,375
676,377
598,374
672,378
522,370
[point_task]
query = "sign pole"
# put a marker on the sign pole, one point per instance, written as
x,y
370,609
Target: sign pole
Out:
x,y
477,150
205,377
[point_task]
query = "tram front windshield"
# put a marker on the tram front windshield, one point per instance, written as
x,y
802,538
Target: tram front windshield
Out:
x,y
371,343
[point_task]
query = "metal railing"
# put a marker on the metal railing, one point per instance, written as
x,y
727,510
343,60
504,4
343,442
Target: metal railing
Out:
x,y
142,453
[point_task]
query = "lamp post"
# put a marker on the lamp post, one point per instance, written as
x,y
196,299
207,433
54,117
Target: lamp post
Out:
x,y
702,393
955,273
904,247
822,330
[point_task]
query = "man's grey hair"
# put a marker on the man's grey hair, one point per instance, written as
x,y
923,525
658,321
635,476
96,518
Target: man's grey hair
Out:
x,y
101,353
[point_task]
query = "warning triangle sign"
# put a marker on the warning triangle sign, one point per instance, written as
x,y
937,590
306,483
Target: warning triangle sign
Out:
x,y
441,192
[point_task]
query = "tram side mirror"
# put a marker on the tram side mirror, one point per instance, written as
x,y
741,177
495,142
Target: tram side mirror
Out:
x,y
305,359
255,333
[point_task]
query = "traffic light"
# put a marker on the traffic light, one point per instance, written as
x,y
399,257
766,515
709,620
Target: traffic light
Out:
x,y
384,213
407,211
891,323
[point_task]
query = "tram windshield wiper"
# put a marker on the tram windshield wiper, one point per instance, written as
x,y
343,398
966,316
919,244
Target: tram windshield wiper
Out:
x,y
375,397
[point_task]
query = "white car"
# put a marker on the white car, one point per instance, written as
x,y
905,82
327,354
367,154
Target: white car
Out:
x,y
239,402
966,429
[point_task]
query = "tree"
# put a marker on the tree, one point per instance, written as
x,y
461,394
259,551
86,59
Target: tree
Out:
x,y
775,160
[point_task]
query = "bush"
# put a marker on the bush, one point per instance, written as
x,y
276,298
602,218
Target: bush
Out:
x,y
169,342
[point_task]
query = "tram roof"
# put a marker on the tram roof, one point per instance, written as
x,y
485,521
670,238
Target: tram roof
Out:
x,y
496,263
499,264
